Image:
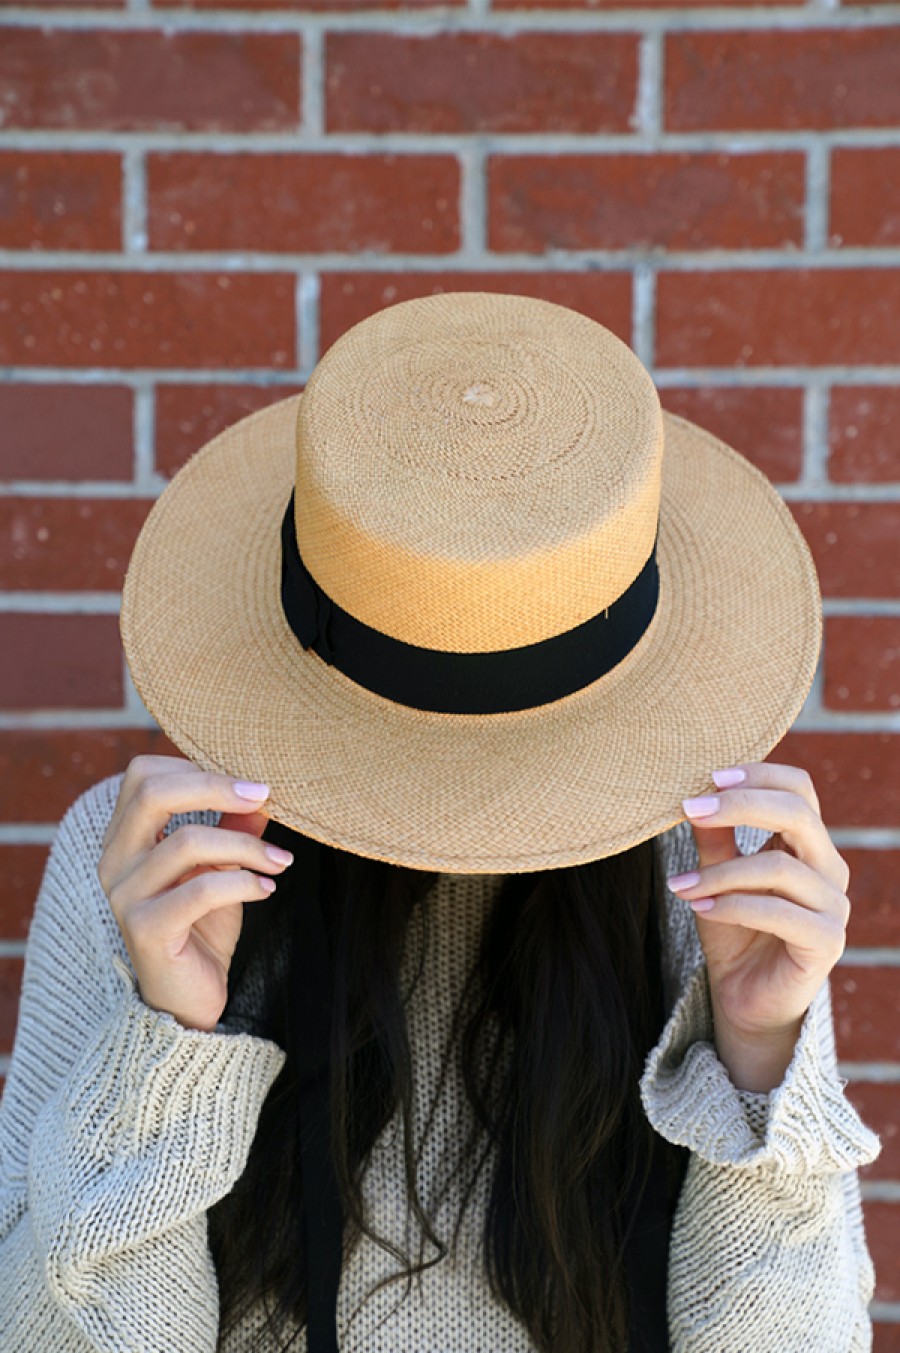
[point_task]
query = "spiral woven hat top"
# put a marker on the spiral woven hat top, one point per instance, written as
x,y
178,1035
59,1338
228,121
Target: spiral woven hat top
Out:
x,y
472,602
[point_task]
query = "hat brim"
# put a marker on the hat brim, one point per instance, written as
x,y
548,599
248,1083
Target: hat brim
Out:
x,y
718,678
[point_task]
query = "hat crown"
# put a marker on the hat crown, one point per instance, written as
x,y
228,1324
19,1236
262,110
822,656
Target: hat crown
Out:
x,y
477,471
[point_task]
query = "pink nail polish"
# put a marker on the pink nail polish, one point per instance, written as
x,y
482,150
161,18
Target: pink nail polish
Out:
x,y
703,806
678,882
702,904
727,779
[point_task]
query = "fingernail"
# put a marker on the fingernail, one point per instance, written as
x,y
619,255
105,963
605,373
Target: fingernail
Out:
x,y
279,856
267,885
249,789
680,881
702,904
702,806
726,779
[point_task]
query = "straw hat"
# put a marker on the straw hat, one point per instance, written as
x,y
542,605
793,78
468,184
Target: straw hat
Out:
x,y
472,602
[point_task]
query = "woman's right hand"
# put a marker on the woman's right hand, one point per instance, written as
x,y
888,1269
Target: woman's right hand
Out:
x,y
178,899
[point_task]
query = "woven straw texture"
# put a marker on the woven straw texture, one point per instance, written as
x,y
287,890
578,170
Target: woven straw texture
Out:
x,y
477,472
717,678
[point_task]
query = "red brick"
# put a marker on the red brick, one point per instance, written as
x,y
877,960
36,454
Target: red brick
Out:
x,y
882,1222
123,319
62,662
669,201
327,6
23,870
346,298
129,80
864,447
75,432
775,317
862,662
865,1013
53,201
879,1106
10,986
886,1337
189,415
854,546
68,544
303,203
481,82
856,775
875,920
42,771
764,423
72,4
825,78
865,196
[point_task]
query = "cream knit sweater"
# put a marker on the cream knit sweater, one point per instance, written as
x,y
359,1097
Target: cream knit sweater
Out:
x,y
119,1129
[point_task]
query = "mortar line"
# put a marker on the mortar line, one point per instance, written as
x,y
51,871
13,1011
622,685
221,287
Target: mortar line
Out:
x,y
144,437
872,1073
559,260
735,142
866,838
643,307
134,201
438,19
817,195
647,119
307,321
870,958
814,477
813,710
665,377
312,83
473,209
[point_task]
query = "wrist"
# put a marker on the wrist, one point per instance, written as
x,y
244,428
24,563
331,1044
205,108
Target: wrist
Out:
x,y
755,1061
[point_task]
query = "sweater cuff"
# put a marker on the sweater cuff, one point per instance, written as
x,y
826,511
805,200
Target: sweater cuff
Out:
x,y
805,1125
154,1121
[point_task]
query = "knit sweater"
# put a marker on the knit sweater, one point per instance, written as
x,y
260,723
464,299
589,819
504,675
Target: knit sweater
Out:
x,y
119,1129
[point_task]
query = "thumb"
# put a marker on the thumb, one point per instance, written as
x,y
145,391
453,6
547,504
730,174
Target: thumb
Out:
x,y
252,823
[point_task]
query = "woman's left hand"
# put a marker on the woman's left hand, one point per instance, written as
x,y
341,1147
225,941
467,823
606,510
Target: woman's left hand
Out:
x,y
772,924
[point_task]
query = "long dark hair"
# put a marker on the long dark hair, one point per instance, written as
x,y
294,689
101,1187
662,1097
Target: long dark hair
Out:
x,y
557,1016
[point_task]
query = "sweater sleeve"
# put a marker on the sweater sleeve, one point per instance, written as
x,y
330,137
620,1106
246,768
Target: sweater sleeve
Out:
x,y
119,1129
768,1248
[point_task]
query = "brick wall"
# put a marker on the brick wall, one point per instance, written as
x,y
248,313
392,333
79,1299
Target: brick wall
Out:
x,y
196,199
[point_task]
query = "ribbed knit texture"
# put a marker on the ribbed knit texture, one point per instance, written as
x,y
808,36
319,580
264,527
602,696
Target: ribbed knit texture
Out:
x,y
119,1129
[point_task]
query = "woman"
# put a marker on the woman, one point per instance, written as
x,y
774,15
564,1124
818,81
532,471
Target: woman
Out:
x,y
473,1038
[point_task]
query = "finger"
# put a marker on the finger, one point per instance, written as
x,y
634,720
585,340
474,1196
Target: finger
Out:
x,y
801,827
254,824
136,768
166,920
157,788
815,935
194,846
775,775
714,844
774,871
